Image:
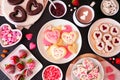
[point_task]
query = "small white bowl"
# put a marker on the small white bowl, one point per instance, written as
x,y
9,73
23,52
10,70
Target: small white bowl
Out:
x,y
60,2
55,67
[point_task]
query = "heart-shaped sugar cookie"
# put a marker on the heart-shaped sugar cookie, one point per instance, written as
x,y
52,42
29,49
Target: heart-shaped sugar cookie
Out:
x,y
9,36
38,7
69,38
73,48
57,52
52,36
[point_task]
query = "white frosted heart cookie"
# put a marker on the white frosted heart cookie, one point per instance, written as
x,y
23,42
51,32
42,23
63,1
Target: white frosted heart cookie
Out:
x,y
57,52
69,38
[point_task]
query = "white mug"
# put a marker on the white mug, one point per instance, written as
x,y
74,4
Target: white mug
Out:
x,y
82,21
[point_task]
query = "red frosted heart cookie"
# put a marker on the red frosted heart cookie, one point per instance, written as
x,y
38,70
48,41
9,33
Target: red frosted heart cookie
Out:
x,y
52,36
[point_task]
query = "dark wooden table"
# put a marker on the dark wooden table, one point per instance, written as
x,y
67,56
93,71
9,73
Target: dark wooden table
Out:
x,y
47,17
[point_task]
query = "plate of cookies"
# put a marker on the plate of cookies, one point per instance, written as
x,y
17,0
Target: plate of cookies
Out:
x,y
87,69
59,41
104,37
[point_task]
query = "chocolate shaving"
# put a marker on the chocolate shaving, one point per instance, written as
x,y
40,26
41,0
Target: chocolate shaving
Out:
x,y
15,2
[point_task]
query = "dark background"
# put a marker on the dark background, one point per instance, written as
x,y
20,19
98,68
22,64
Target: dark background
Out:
x,y
47,17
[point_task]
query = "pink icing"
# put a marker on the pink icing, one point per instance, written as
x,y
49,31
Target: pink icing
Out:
x,y
52,36
46,43
68,28
68,54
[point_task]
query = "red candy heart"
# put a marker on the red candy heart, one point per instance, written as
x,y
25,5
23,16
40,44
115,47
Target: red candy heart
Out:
x,y
111,77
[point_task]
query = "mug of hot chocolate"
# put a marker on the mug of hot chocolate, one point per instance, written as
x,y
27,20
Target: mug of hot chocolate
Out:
x,y
84,15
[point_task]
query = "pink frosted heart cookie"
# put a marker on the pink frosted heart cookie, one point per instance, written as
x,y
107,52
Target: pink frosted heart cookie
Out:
x,y
9,36
52,36
69,38
57,52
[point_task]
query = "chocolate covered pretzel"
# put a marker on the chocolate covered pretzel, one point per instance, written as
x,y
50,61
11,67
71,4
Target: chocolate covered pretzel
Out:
x,y
33,3
14,15
15,2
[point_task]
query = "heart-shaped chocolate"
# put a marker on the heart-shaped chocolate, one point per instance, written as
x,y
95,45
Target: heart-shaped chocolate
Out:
x,y
9,36
33,3
18,10
15,2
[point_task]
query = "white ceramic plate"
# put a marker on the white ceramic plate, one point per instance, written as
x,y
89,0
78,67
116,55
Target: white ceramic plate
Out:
x,y
96,62
40,37
37,68
91,40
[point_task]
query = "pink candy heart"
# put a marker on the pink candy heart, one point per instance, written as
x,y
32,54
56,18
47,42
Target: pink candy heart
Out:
x,y
32,45
9,36
29,36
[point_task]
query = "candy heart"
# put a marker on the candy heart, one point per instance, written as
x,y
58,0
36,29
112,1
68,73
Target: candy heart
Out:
x,y
32,45
8,36
111,77
57,52
33,3
15,2
29,36
52,36
69,38
73,48
18,10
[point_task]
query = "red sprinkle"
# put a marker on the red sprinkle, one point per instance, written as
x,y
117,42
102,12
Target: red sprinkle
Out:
x,y
52,73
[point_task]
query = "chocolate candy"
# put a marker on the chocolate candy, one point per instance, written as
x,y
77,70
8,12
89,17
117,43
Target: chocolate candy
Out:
x,y
38,7
15,2
18,10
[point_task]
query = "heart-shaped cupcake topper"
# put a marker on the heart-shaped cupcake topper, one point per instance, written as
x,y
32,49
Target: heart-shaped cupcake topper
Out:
x,y
15,2
9,36
18,10
33,3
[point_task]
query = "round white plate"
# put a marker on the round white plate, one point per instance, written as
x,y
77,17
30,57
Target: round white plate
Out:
x,y
96,62
91,40
40,37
